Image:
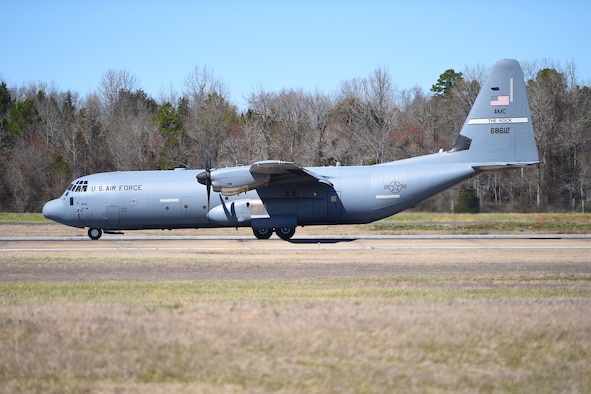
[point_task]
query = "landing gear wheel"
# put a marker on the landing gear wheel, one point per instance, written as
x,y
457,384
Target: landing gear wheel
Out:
x,y
95,233
285,233
262,233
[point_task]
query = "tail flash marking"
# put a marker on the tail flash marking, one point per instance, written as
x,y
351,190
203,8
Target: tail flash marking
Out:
x,y
498,120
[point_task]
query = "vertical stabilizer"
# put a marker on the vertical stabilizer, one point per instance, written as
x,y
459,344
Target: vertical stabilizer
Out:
x,y
498,130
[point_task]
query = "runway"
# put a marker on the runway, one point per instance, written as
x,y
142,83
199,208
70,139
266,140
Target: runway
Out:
x,y
173,258
550,242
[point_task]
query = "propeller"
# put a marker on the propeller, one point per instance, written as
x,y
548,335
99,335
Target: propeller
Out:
x,y
205,177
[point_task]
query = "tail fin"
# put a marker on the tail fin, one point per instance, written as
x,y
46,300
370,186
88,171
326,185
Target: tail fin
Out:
x,y
498,131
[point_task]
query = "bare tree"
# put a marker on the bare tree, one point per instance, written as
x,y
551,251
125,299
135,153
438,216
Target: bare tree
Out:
x,y
92,136
261,123
289,125
368,114
416,134
133,142
47,102
291,111
201,84
113,82
211,117
130,133
245,144
320,110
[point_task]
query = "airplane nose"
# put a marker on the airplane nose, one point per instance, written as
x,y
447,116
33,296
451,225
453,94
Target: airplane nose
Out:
x,y
52,210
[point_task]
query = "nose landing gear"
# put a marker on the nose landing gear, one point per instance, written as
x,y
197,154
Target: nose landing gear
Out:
x,y
95,233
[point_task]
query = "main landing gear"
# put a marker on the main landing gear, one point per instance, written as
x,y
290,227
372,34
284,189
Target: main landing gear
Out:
x,y
284,233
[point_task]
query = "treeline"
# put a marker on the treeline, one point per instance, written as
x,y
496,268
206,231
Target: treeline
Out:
x,y
49,137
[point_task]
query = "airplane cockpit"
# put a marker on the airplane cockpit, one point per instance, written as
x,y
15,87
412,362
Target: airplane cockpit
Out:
x,y
78,186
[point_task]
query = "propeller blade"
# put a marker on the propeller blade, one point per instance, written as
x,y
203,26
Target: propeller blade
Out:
x,y
205,177
207,162
230,213
208,172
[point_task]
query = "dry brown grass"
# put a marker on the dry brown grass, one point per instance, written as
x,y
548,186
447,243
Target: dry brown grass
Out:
x,y
369,345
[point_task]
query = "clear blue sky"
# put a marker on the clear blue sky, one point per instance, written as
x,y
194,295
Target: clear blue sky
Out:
x,y
304,45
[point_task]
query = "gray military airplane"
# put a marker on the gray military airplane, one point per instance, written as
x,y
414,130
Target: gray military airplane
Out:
x,y
277,196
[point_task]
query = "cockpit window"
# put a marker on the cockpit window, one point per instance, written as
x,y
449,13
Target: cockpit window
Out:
x,y
78,186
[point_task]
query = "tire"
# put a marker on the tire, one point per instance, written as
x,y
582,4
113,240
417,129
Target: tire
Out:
x,y
285,233
262,233
95,233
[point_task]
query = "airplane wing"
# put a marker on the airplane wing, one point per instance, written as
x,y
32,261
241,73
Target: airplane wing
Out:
x,y
235,180
279,170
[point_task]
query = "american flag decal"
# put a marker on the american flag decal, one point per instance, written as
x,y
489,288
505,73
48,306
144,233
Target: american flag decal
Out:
x,y
499,100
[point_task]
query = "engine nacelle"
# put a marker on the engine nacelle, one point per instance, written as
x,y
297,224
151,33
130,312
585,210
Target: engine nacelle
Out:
x,y
235,180
238,212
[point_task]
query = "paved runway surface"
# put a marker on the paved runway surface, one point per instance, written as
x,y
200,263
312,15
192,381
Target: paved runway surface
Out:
x,y
340,242
148,258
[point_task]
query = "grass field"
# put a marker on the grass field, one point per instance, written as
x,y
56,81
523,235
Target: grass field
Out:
x,y
326,336
469,332
417,222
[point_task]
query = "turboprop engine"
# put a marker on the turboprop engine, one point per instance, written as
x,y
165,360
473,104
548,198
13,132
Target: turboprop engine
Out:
x,y
233,180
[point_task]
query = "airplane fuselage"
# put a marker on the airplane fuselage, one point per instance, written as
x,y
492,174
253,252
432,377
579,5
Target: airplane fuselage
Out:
x,y
131,200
